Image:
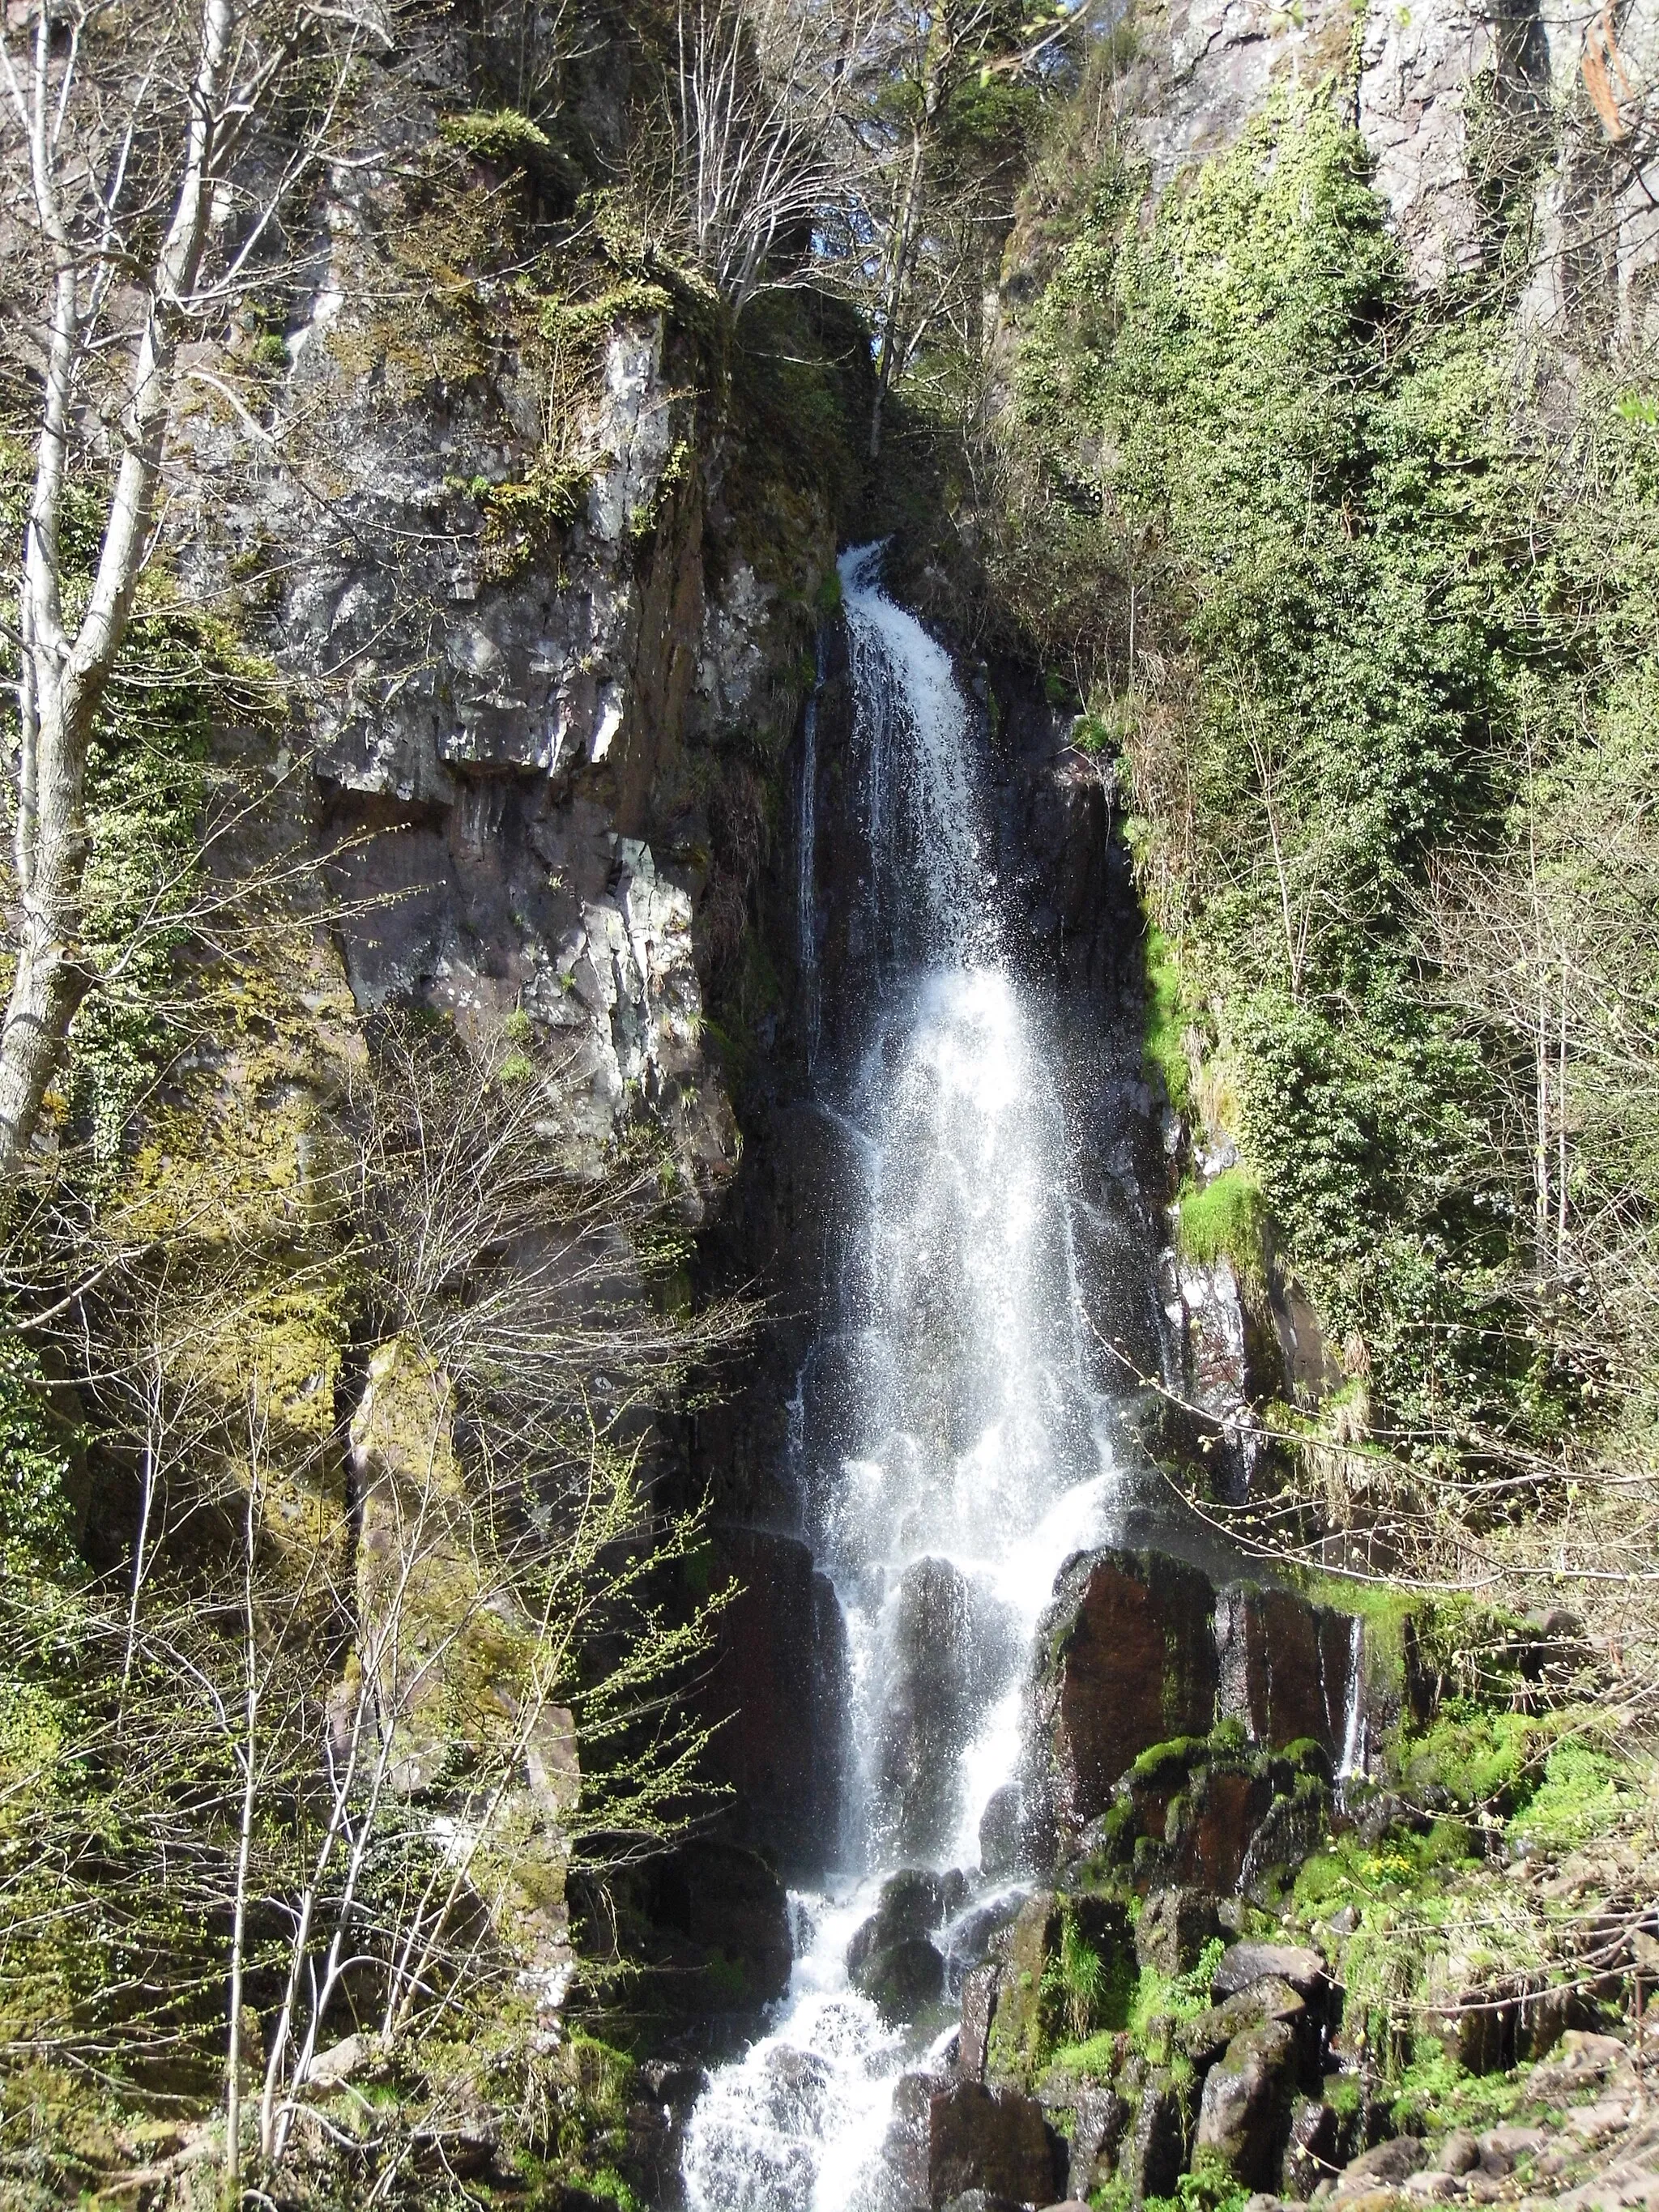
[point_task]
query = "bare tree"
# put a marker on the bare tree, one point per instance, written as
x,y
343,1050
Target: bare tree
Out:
x,y
136,235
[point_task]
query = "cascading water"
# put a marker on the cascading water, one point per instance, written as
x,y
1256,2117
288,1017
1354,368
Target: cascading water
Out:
x,y
951,1440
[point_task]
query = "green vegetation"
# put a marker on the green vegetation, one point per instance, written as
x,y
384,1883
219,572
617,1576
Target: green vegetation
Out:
x,y
1225,1219
1360,616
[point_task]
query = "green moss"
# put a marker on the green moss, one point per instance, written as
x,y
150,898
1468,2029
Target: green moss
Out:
x,y
1167,1021
1225,1218
1162,1765
1585,1790
1434,2092
499,134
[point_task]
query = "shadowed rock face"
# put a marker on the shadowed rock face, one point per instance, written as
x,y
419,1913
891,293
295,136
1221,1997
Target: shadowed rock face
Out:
x,y
776,1694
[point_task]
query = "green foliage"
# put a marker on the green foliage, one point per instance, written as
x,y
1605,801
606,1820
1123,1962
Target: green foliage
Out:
x,y
1379,595
37,1449
1167,1020
501,135
1225,1219
1584,1790
1434,2090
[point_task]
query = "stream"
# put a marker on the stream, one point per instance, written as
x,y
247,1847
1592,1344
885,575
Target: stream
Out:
x,y
952,1438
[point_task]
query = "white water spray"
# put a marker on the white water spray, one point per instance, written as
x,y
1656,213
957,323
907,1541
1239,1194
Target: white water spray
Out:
x,y
949,1434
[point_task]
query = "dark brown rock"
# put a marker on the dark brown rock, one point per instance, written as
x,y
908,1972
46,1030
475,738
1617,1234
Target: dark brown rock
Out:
x,y
721,1922
1128,1661
1285,1665
1099,2116
992,2139
1217,1820
1244,2115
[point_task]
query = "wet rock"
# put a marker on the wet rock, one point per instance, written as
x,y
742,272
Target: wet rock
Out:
x,y
905,2148
996,2140
1209,1829
1126,1661
979,1999
913,1902
1292,1829
775,1694
944,1644
1244,2114
720,1922
1099,2117
1155,2152
1000,1831
981,2200
902,1978
1285,1666
1312,2148
1174,1925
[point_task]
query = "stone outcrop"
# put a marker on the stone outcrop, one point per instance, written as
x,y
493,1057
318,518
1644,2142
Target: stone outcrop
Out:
x,y
776,1693
1141,1651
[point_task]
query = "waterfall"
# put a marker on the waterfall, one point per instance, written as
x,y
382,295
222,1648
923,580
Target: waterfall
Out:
x,y
1353,1722
806,849
950,1437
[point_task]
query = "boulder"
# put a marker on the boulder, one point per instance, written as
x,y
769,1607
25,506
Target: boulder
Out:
x,y
1240,1964
981,2200
1312,2147
996,2140
1384,2167
1210,1826
1032,2012
1292,1829
979,1999
1099,2116
1285,1666
1205,2037
1000,1831
719,1917
1244,2115
944,1642
1126,1660
1459,2153
1154,2154
901,1979
1175,1923
905,2149
913,1902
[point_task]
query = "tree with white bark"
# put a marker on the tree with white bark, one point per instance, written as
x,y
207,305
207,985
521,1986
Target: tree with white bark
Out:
x,y
137,225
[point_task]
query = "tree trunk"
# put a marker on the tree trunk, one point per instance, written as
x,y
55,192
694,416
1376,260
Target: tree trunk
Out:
x,y
52,977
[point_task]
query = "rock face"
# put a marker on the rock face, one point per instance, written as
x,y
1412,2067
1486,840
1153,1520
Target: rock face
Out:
x,y
1244,2116
1128,1661
1140,1650
775,1694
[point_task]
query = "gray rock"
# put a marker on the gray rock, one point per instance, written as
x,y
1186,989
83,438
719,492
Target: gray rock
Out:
x,y
1244,2113
1384,2168
1154,2153
1459,2153
1000,1831
1245,1963
979,2003
981,2200
1174,1925
1312,2148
